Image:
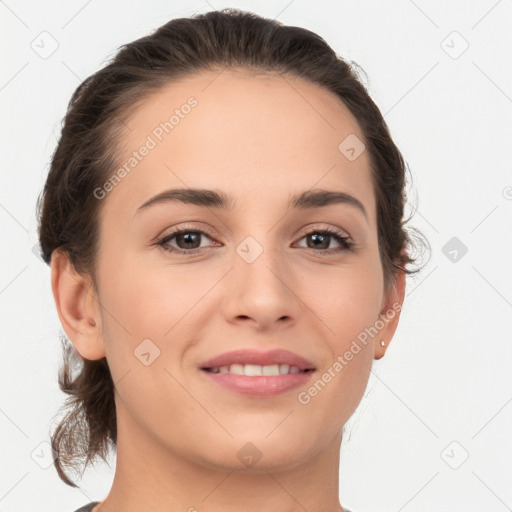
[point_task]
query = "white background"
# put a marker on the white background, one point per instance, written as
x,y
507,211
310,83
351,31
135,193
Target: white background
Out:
x,y
443,392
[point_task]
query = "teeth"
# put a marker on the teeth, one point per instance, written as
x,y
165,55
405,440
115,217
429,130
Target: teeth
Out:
x,y
284,368
238,369
272,369
254,370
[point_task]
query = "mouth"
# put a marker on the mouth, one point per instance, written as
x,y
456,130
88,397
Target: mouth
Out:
x,y
258,374
256,370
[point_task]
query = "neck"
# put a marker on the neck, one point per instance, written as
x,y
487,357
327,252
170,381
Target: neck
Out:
x,y
149,476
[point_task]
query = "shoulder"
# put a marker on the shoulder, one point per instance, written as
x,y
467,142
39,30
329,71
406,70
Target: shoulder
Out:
x,y
88,507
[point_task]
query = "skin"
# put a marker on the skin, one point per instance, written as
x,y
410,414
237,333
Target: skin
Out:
x,y
257,138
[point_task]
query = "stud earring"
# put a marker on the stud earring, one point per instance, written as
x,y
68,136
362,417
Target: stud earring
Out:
x,y
382,343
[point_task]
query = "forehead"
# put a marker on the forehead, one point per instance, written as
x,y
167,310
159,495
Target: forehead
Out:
x,y
242,132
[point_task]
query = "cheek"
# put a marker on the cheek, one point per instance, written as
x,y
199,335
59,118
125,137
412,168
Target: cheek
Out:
x,y
150,313
347,300
348,305
147,301
142,312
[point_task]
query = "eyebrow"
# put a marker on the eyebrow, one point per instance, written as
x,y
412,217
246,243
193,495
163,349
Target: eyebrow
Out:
x,y
217,199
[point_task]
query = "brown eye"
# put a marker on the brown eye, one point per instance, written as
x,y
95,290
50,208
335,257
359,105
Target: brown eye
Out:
x,y
188,241
320,240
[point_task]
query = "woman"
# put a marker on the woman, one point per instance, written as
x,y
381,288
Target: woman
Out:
x,y
224,222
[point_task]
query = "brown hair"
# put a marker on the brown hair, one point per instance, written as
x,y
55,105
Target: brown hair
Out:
x,y
87,152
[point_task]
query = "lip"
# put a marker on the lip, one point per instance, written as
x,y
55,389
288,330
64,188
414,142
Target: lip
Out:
x,y
247,356
259,386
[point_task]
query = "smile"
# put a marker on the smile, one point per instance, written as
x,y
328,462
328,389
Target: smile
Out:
x,y
254,370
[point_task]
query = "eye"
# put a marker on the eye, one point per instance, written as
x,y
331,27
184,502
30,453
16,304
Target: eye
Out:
x,y
188,241
320,239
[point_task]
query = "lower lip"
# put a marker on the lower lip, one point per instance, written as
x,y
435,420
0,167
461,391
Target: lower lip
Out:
x,y
261,386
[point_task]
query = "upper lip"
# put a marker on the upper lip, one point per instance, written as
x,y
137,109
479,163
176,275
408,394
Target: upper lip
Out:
x,y
246,356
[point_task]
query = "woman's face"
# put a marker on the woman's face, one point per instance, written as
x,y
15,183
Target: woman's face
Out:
x,y
264,275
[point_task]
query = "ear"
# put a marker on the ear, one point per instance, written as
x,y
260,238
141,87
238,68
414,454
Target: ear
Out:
x,y
390,314
77,306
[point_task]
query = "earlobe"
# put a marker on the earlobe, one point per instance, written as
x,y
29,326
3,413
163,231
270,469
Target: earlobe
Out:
x,y
77,307
390,314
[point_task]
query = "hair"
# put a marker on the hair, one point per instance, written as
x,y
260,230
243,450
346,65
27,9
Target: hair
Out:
x,y
88,151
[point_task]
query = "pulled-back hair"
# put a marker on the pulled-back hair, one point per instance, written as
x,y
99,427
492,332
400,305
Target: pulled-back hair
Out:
x,y
89,150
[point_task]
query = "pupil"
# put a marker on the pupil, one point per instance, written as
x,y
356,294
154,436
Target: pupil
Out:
x,y
316,237
189,238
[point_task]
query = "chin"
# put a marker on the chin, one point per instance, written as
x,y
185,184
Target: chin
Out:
x,y
254,454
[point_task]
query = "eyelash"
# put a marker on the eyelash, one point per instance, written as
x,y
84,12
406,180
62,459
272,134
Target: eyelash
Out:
x,y
346,243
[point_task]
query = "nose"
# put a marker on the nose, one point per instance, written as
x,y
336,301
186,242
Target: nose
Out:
x,y
263,290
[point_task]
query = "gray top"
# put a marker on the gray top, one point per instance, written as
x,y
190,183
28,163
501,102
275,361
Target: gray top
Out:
x,y
88,507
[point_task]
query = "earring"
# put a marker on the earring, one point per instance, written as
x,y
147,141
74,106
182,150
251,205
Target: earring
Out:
x,y
382,343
